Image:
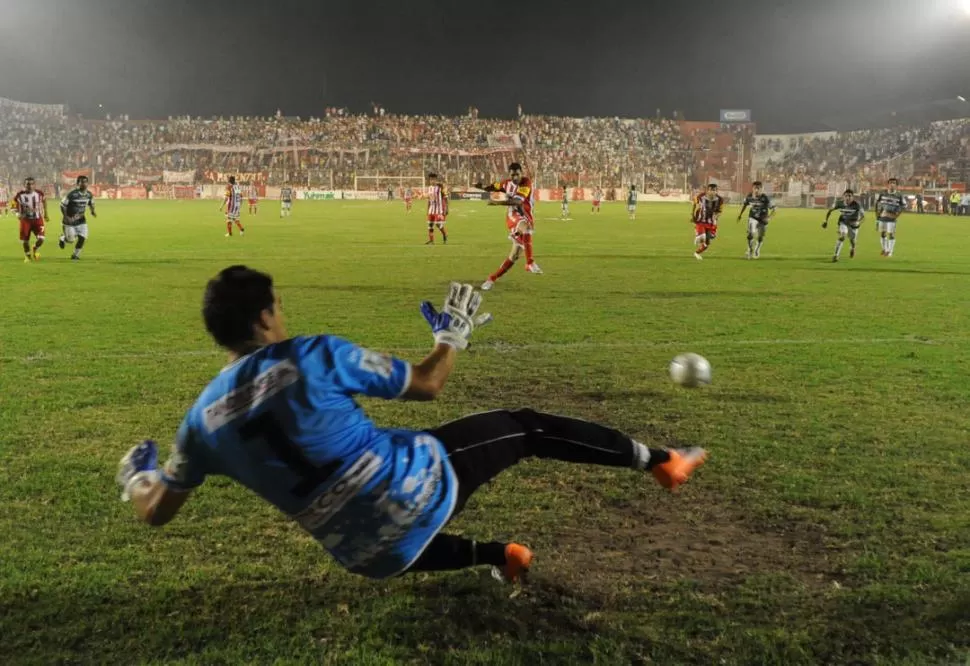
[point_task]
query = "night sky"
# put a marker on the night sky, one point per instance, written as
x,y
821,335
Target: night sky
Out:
x,y
794,64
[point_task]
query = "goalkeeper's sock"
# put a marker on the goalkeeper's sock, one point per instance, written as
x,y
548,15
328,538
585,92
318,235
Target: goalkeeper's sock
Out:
x,y
502,270
448,552
527,241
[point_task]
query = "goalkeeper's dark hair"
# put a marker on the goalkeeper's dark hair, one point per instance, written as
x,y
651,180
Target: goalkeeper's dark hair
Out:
x,y
233,303
515,166
849,192
757,183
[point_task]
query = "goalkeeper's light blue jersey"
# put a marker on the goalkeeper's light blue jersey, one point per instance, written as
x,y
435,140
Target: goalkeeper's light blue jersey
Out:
x,y
283,422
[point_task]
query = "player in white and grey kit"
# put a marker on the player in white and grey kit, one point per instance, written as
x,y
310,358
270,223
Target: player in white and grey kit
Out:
x,y
631,202
286,201
74,206
889,206
850,219
565,203
761,211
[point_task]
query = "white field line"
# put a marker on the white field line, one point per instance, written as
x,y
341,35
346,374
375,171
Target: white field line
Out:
x,y
505,347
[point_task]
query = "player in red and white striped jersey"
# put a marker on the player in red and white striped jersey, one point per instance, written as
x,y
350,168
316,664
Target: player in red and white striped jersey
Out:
x,y
437,208
708,207
4,200
519,196
233,206
31,208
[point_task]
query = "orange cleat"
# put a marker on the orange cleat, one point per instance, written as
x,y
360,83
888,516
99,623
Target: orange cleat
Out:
x,y
680,467
518,558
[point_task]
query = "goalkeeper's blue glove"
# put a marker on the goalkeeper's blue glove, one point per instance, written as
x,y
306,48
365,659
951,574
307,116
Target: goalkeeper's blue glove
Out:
x,y
140,463
454,324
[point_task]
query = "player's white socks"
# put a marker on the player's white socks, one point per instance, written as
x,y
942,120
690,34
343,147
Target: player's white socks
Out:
x,y
838,247
641,455
890,245
757,249
885,243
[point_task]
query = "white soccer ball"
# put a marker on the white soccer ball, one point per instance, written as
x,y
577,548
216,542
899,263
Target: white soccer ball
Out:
x,y
690,370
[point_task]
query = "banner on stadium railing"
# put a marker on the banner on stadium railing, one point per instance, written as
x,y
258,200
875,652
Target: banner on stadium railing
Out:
x,y
167,191
241,176
449,152
735,115
134,192
210,147
69,178
125,177
316,195
182,177
162,191
506,141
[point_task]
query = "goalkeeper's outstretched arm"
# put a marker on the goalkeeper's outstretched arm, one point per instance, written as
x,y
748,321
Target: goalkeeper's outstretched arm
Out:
x,y
451,327
429,376
155,501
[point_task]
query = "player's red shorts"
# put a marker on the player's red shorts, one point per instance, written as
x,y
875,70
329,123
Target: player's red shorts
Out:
x,y
436,218
28,227
253,202
512,222
596,202
705,229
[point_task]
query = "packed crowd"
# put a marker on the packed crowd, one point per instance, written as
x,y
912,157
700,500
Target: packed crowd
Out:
x,y
338,145
331,149
911,153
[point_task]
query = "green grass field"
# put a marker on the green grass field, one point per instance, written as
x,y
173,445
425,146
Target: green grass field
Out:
x,y
831,524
